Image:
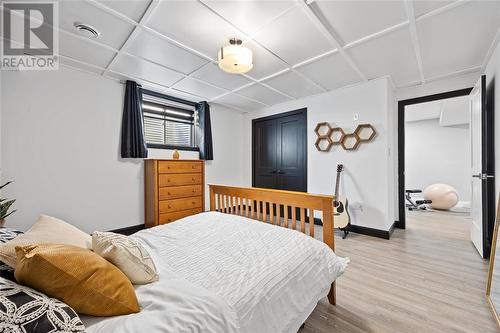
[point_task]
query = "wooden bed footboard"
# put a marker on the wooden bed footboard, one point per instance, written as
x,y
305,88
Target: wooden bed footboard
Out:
x,y
269,206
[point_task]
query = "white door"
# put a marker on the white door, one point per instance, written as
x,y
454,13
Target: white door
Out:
x,y
478,177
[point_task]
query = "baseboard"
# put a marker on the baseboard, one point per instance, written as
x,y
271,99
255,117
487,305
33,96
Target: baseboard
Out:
x,y
399,225
393,226
129,230
385,234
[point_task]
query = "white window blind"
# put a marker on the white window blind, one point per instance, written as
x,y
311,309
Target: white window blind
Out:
x,y
167,123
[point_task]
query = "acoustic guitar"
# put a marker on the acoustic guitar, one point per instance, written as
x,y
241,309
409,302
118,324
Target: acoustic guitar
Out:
x,y
341,219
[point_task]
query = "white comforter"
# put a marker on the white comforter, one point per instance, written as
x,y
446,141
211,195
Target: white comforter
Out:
x,y
225,273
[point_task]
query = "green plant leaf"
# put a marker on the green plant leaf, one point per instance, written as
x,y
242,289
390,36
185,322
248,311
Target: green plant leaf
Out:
x,y
15,210
1,187
4,208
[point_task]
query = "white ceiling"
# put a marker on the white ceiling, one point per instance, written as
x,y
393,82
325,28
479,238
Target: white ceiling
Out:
x,y
299,49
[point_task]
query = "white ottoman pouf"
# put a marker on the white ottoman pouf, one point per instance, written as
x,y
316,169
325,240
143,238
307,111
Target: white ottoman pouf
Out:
x,y
443,196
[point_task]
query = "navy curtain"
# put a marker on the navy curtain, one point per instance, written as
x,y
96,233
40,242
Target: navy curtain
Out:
x,y
205,137
133,143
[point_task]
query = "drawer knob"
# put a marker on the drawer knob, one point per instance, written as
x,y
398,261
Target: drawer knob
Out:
x,y
169,206
194,203
169,193
192,179
193,191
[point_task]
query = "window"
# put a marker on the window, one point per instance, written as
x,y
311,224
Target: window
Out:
x,y
168,122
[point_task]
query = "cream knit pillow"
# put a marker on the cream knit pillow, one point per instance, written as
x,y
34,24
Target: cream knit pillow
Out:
x,y
46,230
126,254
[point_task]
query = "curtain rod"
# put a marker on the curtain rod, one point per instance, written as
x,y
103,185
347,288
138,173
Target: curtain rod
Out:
x,y
168,97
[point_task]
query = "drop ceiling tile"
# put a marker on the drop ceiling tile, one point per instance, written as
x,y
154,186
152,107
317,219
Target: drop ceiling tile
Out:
x,y
391,54
84,50
238,102
294,37
211,73
249,16
113,31
183,95
293,84
145,84
192,24
133,9
263,94
158,50
198,88
264,62
353,20
145,70
78,65
330,72
459,38
423,7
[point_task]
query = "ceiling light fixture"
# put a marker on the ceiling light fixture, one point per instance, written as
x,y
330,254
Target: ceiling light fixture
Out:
x,y
86,30
235,58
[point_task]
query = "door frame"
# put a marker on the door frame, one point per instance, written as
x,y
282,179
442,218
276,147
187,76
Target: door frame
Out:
x,y
303,112
401,223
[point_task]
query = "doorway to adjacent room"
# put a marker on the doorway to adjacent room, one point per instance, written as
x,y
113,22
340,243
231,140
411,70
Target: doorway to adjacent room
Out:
x,y
446,161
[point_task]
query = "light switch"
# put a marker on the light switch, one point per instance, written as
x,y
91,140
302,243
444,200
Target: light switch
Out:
x,y
356,116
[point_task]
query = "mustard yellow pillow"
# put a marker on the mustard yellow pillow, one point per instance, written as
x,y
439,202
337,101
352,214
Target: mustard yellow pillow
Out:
x,y
46,230
82,279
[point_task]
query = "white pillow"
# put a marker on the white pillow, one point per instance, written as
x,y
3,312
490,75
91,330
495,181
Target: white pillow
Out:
x,y
126,254
46,230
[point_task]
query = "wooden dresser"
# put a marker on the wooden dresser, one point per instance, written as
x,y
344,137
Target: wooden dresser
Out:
x,y
173,189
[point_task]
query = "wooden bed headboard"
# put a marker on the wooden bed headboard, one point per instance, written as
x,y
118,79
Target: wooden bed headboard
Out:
x,y
267,205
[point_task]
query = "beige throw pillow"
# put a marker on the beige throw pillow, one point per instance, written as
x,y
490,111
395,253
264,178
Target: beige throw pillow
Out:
x,y
46,230
126,254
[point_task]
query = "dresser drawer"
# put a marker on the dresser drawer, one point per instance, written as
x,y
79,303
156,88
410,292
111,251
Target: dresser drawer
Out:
x,y
176,192
179,179
179,167
174,205
170,217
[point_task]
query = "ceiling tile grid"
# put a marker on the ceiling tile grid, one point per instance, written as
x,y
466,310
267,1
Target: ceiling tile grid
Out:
x,y
299,49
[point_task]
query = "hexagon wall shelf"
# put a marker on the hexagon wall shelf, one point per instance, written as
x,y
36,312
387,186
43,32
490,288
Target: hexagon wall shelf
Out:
x,y
324,144
328,136
350,141
323,130
337,135
365,132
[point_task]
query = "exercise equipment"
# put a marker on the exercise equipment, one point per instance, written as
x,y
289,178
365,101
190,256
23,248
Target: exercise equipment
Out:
x,y
413,204
443,196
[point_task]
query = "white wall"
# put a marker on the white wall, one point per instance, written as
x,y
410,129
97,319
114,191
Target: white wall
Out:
x,y
60,143
437,154
366,177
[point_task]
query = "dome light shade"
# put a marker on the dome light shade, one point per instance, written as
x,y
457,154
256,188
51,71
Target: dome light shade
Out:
x,y
235,58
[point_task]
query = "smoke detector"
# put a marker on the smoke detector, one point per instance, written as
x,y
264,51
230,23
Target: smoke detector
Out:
x,y
86,30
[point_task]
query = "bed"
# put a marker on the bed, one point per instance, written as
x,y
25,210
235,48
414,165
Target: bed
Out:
x,y
226,271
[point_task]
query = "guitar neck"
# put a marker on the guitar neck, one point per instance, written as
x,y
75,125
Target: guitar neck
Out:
x,y
337,185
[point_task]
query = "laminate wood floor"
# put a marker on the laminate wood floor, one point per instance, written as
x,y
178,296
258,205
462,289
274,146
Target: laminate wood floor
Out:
x,y
427,278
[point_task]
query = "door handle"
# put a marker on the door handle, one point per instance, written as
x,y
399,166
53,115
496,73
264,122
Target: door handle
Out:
x,y
281,172
483,176
274,171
